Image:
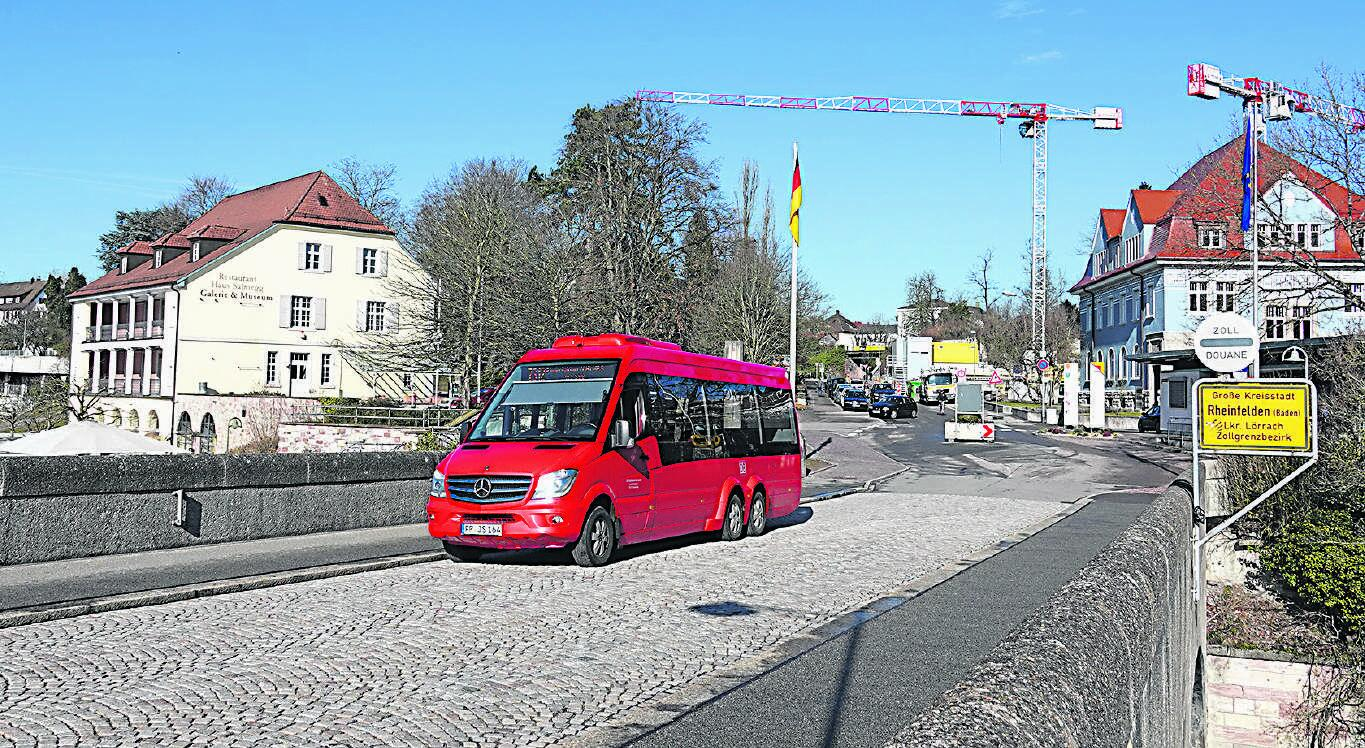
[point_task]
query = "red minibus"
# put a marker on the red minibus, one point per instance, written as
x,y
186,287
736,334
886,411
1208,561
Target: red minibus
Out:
x,y
607,440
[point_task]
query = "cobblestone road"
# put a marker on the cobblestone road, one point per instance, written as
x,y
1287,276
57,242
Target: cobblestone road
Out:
x,y
521,651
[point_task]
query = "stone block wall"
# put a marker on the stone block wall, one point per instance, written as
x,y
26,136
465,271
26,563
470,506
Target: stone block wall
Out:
x,y
65,507
1249,696
1108,661
296,438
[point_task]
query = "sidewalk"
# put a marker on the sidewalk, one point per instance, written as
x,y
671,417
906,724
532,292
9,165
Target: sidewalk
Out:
x,y
861,687
30,585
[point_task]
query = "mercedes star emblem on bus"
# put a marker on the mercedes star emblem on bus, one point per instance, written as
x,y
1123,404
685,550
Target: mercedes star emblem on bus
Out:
x,y
483,488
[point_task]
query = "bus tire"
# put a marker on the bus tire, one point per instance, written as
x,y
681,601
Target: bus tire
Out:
x,y
462,554
597,542
758,514
732,524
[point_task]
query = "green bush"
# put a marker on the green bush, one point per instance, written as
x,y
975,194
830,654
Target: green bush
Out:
x,y
427,442
1320,555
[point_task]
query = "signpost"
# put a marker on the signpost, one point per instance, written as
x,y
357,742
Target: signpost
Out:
x,y
1071,391
1226,342
971,420
1096,394
1265,417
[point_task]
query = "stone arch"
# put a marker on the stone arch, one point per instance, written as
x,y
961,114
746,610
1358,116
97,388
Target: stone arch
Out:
x,y
153,423
184,431
208,434
133,421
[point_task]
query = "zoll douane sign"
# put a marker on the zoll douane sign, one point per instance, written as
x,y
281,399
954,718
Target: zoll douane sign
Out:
x,y
1256,416
1226,342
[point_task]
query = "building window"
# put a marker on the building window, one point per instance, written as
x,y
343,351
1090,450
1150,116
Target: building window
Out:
x,y
369,261
1199,296
1130,309
1223,296
156,259
300,311
1358,238
325,369
1274,322
374,316
1352,302
1315,235
1104,316
1178,393
194,253
312,256
272,368
298,367
1122,365
1211,237
1303,322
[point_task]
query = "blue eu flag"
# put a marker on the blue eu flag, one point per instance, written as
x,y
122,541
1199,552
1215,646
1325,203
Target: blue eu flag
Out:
x,y
1247,187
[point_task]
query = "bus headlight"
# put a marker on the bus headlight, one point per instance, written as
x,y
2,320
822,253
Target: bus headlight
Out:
x,y
438,483
554,485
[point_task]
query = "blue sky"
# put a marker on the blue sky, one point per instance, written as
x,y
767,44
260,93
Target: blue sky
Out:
x,y
112,106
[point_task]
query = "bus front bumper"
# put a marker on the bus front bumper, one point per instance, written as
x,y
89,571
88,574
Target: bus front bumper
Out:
x,y
489,526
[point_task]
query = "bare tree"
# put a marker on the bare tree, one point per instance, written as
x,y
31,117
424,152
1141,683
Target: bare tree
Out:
x,y
202,193
372,185
981,277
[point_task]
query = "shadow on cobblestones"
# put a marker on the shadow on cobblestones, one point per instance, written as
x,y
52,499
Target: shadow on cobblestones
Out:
x,y
561,558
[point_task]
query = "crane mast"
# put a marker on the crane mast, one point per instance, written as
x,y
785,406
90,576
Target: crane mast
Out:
x,y
1034,125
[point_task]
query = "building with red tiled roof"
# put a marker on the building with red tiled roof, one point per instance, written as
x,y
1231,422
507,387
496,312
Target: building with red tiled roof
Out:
x,y
1171,257
229,316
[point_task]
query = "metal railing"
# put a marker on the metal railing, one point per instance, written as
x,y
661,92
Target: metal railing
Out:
x,y
378,415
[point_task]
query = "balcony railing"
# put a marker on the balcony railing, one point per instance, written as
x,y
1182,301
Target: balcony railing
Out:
x,y
99,385
118,384
106,332
140,331
137,385
153,385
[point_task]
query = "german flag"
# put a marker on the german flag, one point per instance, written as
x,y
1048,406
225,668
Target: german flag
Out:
x,y
795,221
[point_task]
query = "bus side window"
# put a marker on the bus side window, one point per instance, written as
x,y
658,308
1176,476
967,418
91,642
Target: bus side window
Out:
x,y
669,398
631,407
778,421
739,421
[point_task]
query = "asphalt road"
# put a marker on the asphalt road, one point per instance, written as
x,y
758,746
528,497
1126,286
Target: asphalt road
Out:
x,y
862,687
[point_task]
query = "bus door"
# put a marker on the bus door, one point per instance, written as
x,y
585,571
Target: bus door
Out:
x,y
683,490
634,467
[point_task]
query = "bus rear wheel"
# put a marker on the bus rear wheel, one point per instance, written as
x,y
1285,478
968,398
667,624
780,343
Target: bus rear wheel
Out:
x,y
758,514
597,542
463,553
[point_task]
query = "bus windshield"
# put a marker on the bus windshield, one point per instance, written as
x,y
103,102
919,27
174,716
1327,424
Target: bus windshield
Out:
x,y
553,401
937,380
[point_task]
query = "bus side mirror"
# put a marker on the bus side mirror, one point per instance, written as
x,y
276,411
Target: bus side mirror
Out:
x,y
466,429
620,435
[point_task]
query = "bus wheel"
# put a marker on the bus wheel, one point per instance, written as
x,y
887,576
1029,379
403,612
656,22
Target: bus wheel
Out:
x,y
463,553
597,542
733,526
758,514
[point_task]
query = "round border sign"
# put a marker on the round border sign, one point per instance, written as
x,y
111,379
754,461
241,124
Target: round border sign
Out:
x,y
1226,342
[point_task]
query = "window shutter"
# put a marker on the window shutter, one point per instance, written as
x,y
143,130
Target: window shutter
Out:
x,y
360,315
284,311
326,258
391,317
303,252
383,263
359,260
319,313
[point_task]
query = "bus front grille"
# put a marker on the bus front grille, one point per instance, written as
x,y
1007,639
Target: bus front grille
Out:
x,y
499,488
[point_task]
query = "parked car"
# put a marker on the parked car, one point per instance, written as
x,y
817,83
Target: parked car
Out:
x,y
893,406
1150,420
881,390
854,398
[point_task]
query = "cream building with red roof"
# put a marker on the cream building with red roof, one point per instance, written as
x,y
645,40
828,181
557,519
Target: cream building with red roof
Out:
x,y
249,306
1167,259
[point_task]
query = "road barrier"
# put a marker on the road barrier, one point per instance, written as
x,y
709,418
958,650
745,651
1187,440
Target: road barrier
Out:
x,y
66,507
1110,660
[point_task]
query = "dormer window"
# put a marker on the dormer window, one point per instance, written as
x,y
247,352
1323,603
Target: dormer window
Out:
x,y
194,252
1212,237
157,259
122,265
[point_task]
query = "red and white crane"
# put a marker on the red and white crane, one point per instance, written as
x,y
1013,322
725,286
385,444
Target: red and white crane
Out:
x,y
1264,101
1035,118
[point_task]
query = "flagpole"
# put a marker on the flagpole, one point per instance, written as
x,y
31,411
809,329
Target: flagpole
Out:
x,y
792,347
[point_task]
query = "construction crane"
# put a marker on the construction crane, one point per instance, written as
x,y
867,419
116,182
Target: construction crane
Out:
x,y
1264,101
1035,118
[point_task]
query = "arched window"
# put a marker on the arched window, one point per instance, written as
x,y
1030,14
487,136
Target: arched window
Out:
x,y
1122,372
184,431
132,420
153,423
1110,374
208,435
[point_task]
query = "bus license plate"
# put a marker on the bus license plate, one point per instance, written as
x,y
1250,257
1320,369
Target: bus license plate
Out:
x,y
481,528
